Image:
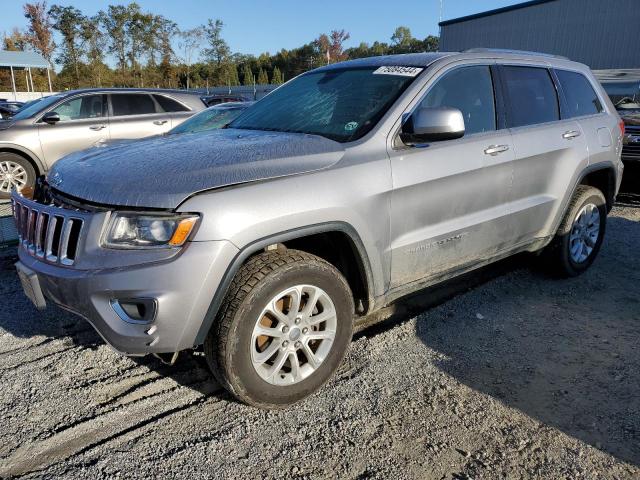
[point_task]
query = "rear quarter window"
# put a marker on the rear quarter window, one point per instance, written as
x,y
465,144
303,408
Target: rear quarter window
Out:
x,y
580,96
169,104
531,95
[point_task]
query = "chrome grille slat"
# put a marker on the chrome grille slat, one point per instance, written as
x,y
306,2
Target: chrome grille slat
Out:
x,y
47,231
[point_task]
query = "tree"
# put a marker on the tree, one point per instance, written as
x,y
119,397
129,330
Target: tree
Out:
x,y
96,44
167,31
247,75
190,40
68,21
114,21
331,46
263,78
276,78
402,37
218,50
16,41
39,33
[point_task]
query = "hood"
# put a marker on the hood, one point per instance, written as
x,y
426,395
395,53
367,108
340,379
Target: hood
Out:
x,y
161,172
5,124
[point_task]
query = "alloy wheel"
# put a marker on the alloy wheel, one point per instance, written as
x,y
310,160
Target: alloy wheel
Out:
x,y
293,335
584,233
12,175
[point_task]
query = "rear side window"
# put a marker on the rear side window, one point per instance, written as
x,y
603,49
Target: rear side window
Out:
x,y
132,104
470,90
580,96
169,104
532,96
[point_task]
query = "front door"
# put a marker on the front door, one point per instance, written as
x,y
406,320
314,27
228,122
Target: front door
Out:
x,y
83,124
449,205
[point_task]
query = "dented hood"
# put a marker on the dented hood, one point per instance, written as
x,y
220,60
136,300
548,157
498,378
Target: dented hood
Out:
x,y
162,172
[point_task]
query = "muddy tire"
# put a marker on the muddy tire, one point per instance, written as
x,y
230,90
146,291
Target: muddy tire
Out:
x,y
282,330
580,235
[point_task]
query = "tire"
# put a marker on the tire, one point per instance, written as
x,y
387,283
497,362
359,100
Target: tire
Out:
x,y
21,173
247,363
561,260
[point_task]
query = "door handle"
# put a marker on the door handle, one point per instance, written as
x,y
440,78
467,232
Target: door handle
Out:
x,y
96,128
495,149
159,122
570,134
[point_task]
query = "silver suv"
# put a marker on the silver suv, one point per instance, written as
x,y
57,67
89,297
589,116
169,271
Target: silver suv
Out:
x,y
350,186
37,136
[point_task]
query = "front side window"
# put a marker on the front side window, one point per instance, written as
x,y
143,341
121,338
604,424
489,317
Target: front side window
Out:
x,y
132,104
80,108
532,97
342,105
624,95
470,90
580,95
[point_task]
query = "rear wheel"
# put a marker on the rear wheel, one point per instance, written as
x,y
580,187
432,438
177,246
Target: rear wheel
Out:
x,y
580,234
16,172
283,329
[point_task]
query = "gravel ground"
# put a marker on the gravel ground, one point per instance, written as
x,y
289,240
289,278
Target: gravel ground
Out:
x,y
501,374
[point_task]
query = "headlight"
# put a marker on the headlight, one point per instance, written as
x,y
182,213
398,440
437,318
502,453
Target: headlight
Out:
x,y
130,230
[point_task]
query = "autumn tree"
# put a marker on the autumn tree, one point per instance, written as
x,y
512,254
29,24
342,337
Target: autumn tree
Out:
x,y
331,46
16,41
39,30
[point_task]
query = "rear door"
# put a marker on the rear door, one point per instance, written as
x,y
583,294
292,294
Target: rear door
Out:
x,y
178,112
83,124
136,115
549,149
582,104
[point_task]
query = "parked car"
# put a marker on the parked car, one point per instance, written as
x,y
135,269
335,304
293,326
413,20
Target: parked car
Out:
x,y
348,187
212,118
8,109
211,100
37,136
625,95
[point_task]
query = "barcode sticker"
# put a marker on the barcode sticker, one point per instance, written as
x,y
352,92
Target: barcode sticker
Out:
x,y
398,70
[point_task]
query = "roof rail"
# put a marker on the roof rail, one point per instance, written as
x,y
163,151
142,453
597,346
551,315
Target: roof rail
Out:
x,y
518,52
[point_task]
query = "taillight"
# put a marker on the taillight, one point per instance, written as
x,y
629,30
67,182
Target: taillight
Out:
x,y
621,125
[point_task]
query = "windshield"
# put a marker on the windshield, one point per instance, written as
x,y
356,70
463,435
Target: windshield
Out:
x,y
342,105
210,119
623,94
37,107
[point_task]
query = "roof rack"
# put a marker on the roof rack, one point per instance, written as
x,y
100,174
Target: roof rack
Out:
x,y
518,52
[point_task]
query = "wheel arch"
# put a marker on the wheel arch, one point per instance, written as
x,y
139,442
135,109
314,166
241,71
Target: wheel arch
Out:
x,y
27,155
303,238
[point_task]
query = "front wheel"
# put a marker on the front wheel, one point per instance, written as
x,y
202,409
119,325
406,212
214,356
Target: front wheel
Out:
x,y
283,329
16,172
580,234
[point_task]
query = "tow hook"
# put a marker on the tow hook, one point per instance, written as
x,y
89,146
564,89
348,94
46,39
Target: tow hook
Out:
x,y
167,358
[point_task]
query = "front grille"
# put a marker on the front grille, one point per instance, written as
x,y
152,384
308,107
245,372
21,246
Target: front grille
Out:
x,y
46,231
631,149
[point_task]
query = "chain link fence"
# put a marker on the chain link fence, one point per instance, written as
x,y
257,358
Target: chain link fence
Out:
x,y
8,233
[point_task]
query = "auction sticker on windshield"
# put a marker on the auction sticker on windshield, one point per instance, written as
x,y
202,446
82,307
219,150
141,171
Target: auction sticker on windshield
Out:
x,y
398,70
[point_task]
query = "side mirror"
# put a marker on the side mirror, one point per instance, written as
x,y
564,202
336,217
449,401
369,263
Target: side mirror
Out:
x,y
432,125
51,118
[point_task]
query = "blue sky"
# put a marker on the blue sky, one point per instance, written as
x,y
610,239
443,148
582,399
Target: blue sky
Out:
x,y
253,26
